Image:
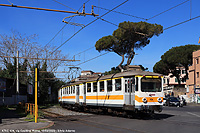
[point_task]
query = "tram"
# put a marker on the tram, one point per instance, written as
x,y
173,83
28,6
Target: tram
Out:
x,y
129,91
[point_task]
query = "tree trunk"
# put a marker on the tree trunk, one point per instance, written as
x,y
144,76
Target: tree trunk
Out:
x,y
130,57
121,62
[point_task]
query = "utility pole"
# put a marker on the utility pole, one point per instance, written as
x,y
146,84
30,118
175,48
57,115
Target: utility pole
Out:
x,y
17,84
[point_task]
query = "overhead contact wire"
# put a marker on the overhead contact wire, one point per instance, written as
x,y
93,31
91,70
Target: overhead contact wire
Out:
x,y
88,25
168,10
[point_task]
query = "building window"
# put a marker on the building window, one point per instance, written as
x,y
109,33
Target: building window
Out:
x,y
118,85
197,74
101,86
183,80
176,80
109,85
183,72
95,87
88,87
197,61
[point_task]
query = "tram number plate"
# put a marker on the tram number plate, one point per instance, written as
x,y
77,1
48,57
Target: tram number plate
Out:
x,y
151,99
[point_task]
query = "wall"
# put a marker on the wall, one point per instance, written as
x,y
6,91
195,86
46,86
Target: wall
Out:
x,y
13,100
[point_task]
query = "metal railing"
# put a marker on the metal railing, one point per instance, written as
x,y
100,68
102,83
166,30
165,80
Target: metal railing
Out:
x,y
30,108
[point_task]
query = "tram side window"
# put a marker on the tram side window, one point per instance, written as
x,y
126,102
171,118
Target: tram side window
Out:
x,y
136,84
95,87
88,87
109,85
101,86
118,85
73,89
84,88
126,85
77,90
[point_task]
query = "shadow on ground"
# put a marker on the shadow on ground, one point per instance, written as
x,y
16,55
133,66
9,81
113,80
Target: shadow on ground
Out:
x,y
11,112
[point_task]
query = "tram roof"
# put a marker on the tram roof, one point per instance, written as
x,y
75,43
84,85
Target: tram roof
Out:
x,y
118,75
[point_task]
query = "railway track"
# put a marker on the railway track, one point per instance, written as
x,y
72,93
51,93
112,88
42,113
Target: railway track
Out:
x,y
90,123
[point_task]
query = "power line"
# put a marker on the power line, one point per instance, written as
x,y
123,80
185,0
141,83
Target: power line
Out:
x,y
122,27
87,25
92,58
142,17
181,23
167,10
63,27
84,50
121,13
10,2
65,5
82,5
56,35
163,30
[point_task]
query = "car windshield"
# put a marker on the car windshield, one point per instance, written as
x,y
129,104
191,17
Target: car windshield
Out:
x,y
151,85
174,99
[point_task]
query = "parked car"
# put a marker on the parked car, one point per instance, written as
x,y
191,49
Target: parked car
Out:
x,y
173,101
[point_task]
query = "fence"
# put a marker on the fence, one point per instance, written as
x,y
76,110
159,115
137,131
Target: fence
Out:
x,y
30,108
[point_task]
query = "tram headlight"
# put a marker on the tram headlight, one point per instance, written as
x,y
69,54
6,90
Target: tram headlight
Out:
x,y
159,100
144,100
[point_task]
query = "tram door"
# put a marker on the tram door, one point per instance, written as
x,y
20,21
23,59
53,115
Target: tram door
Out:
x,y
84,93
129,91
77,93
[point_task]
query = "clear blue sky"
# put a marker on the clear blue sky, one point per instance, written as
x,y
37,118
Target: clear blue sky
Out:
x,y
47,24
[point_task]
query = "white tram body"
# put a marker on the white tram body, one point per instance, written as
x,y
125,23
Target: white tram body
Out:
x,y
131,91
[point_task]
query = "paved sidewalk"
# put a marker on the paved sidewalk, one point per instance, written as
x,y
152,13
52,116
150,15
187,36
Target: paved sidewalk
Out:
x,y
193,104
11,122
19,125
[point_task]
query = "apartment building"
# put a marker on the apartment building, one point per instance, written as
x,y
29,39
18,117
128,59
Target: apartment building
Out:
x,y
193,83
171,86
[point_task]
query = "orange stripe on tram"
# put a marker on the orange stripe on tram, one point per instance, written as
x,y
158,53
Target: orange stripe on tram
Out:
x,y
68,97
105,97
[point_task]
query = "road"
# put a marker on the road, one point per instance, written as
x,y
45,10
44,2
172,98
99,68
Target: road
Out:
x,y
170,120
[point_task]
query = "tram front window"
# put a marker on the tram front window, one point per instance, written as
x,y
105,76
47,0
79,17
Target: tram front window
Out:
x,y
151,85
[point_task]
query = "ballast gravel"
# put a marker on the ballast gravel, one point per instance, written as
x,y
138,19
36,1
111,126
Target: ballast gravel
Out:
x,y
62,111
